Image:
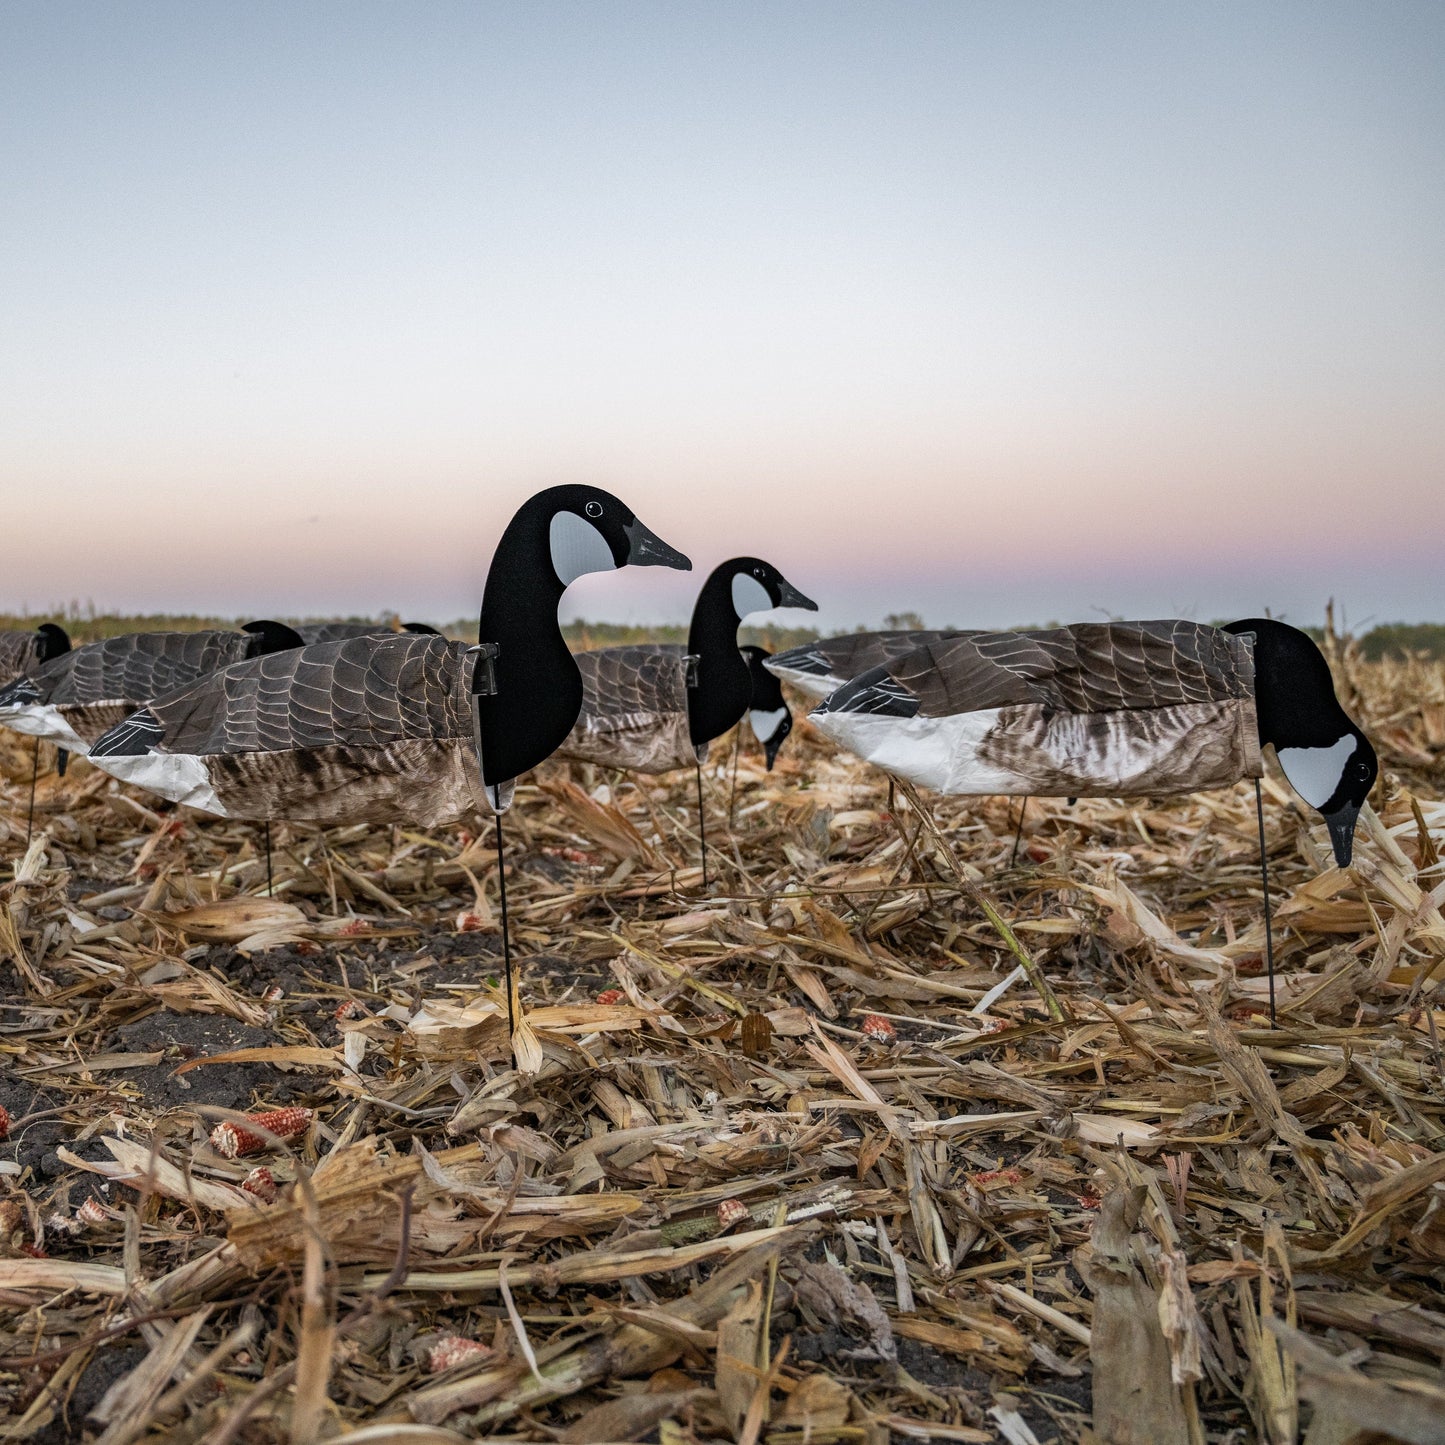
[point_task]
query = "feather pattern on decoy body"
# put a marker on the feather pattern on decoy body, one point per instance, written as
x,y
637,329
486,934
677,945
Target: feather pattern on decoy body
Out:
x,y
400,727
337,732
818,668
23,653
77,696
1112,709
311,632
656,707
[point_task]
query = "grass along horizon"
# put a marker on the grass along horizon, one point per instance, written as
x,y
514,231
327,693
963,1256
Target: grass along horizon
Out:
x,y
85,624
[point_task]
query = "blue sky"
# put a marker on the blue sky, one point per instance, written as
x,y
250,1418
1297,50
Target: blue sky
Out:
x,y
997,312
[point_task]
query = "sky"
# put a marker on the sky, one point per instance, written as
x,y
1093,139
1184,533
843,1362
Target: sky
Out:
x,y
996,312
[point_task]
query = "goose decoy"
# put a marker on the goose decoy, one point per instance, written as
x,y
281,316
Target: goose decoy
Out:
x,y
77,695
768,712
21,654
1113,709
310,632
657,707
401,728
818,668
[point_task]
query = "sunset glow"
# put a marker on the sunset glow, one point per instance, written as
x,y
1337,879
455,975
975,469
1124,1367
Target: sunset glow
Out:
x,y
1001,314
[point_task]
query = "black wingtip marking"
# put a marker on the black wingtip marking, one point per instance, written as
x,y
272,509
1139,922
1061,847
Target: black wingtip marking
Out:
x,y
132,737
874,692
20,693
805,660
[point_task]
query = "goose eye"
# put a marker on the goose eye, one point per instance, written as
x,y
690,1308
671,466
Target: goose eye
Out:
x,y
593,509
757,571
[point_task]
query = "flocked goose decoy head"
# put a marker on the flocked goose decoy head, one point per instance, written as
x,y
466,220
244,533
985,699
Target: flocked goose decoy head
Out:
x,y
22,652
768,713
53,641
719,682
527,692
1329,762
268,637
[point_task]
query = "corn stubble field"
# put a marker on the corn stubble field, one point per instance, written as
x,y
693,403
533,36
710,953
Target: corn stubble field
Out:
x,y
789,1166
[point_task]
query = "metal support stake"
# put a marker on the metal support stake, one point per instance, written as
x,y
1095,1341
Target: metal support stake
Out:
x,y
30,813
506,938
1019,833
1264,878
701,826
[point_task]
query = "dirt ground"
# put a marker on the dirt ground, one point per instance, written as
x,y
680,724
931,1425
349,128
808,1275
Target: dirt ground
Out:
x,y
899,1128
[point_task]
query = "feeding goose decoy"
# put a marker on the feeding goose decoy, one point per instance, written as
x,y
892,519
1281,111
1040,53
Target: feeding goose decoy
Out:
x,y
768,712
1113,709
400,728
818,668
80,693
310,632
656,707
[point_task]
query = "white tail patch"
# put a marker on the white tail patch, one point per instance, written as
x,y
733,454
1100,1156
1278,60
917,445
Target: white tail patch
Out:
x,y
765,724
749,595
810,684
577,548
1315,773
177,776
44,720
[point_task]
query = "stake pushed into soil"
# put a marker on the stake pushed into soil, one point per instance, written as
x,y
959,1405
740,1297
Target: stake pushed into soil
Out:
x,y
30,813
506,939
1018,833
1268,921
701,826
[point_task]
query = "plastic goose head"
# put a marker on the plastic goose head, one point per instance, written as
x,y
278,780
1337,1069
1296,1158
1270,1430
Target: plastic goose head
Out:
x,y
54,641
589,530
768,713
758,586
268,636
1329,762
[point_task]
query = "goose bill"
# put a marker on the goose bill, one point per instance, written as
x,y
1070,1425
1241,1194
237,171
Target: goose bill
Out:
x,y
1342,833
789,596
646,549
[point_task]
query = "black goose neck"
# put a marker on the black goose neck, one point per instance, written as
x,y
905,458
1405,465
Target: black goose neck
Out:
x,y
723,685
526,688
522,592
1294,690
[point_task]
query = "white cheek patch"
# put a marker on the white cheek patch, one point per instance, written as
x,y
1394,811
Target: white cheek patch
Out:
x,y
765,724
1315,773
577,548
749,595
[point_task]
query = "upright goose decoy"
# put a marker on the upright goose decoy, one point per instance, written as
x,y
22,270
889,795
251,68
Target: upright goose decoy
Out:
x,y
818,668
310,632
657,707
400,728
1113,709
387,727
23,653
77,695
